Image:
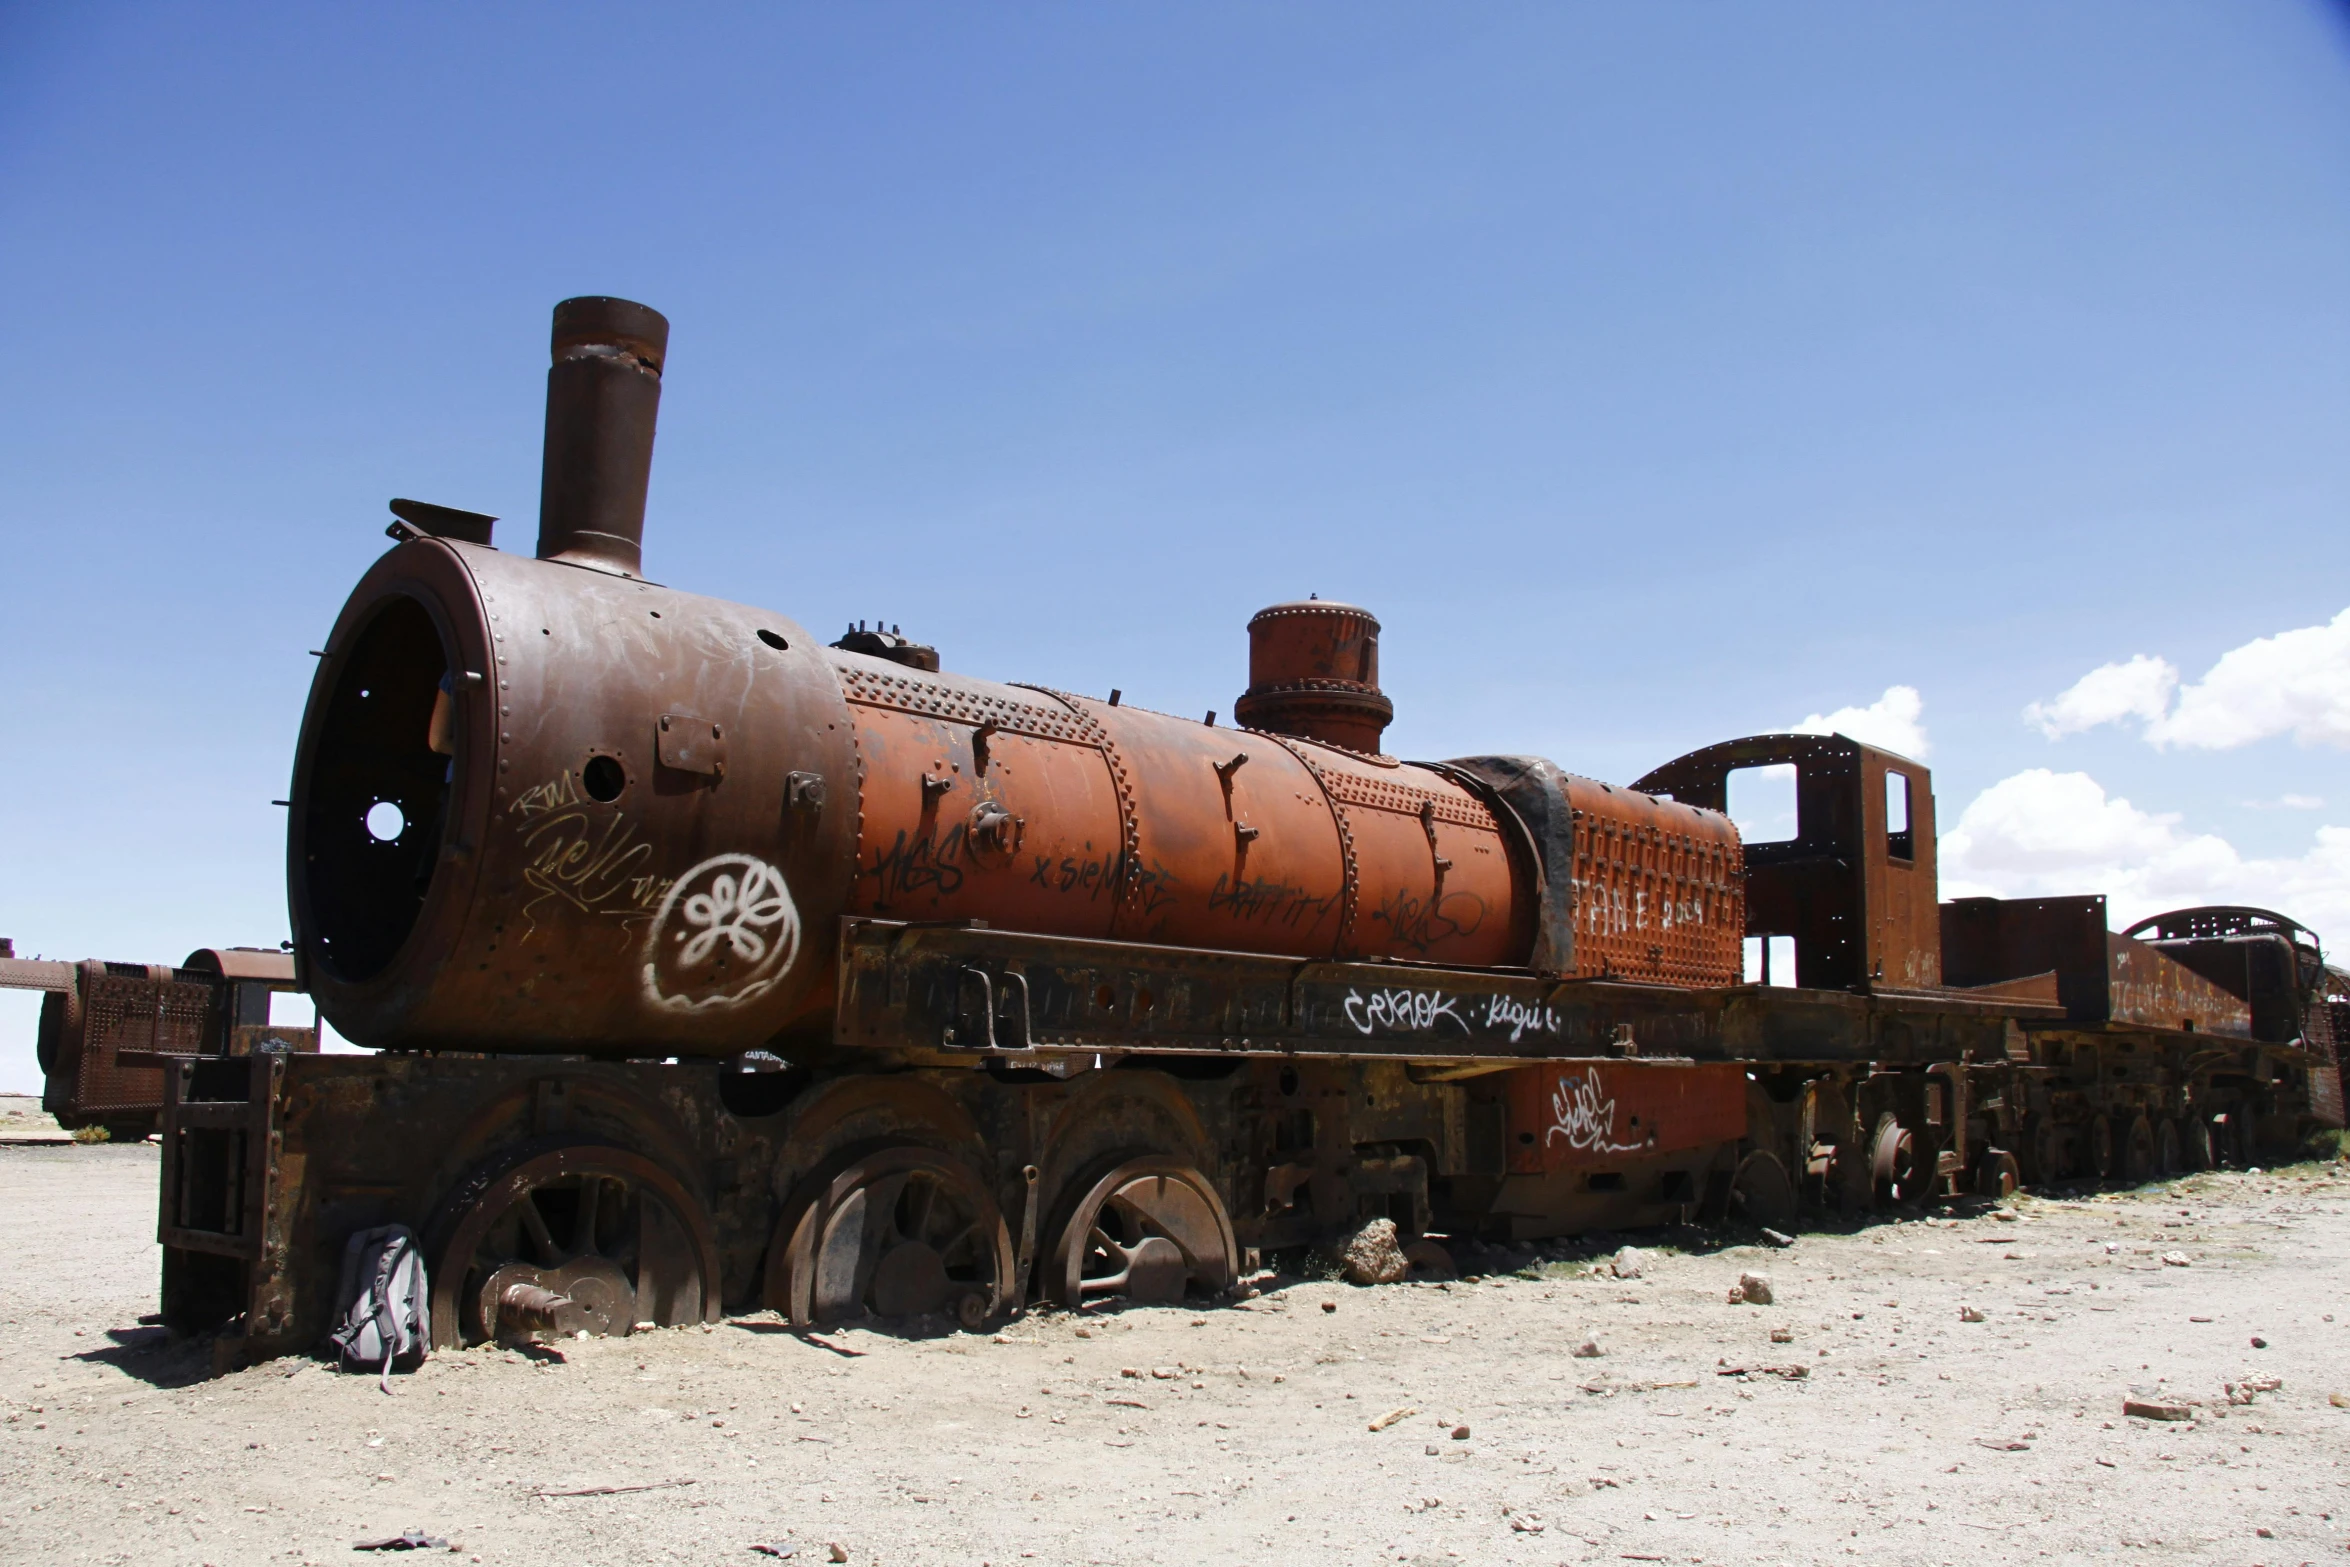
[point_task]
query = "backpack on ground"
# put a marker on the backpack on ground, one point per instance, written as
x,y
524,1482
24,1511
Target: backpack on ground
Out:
x,y
382,1304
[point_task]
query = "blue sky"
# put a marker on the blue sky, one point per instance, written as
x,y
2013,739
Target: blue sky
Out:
x,y
1656,373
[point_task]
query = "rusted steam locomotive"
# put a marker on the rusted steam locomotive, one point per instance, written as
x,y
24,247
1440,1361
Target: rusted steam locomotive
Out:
x,y
710,966
109,1031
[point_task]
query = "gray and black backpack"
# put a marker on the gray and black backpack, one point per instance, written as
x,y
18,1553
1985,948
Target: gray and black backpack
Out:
x,y
382,1305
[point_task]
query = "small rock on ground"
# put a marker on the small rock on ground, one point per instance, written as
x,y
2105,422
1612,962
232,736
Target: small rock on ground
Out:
x,y
1373,1255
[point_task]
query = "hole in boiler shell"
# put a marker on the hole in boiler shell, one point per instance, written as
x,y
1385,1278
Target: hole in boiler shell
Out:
x,y
773,641
603,779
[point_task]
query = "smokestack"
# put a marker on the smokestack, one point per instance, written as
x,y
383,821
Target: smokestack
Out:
x,y
603,394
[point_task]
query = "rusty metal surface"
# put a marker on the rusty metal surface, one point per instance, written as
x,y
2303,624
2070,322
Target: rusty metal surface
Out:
x,y
603,398
2272,963
107,1036
35,974
555,885
1313,674
1660,891
2101,977
255,965
1587,1115
1859,899
1129,823
961,990
118,1009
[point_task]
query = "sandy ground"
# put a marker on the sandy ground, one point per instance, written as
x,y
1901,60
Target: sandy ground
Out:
x,y
1243,1434
22,1121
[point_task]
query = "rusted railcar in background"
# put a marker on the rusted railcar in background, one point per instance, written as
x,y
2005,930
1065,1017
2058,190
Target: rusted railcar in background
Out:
x,y
2150,1051
709,966
109,1031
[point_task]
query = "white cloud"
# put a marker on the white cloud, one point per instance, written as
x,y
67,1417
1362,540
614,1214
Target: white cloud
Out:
x,y
2289,802
2107,694
1890,722
2046,834
2296,683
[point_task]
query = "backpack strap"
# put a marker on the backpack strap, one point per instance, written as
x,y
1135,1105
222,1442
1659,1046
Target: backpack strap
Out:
x,y
387,1321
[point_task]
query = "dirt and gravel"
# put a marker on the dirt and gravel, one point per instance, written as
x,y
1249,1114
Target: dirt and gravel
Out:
x,y
1858,1416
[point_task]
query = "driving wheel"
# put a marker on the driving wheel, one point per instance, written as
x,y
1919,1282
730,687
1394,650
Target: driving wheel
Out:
x,y
2103,1147
2195,1141
1760,1192
2043,1149
1894,1164
905,1232
1147,1230
1996,1174
581,1238
2137,1152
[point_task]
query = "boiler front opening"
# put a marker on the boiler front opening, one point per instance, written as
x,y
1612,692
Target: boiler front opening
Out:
x,y
378,794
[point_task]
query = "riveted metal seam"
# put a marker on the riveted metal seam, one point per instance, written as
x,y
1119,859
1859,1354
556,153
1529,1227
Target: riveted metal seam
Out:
x,y
1349,884
1097,734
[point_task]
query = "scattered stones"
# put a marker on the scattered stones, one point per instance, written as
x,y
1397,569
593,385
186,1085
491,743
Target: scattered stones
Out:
x,y
2339,1400
1970,1314
2176,1259
1166,1373
1460,1433
2153,1409
2258,1342
1374,1255
837,1551
2005,1215
1782,1335
2246,1389
1755,1288
1392,1416
1629,1263
1590,1348
1329,1305
1774,1238
1525,1523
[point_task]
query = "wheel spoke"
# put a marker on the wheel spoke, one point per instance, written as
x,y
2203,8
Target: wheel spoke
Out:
x,y
922,1202
536,1223
881,1215
583,1230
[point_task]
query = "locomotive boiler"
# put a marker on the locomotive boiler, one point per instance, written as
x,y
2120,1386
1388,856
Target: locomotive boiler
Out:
x,y
710,966
629,820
